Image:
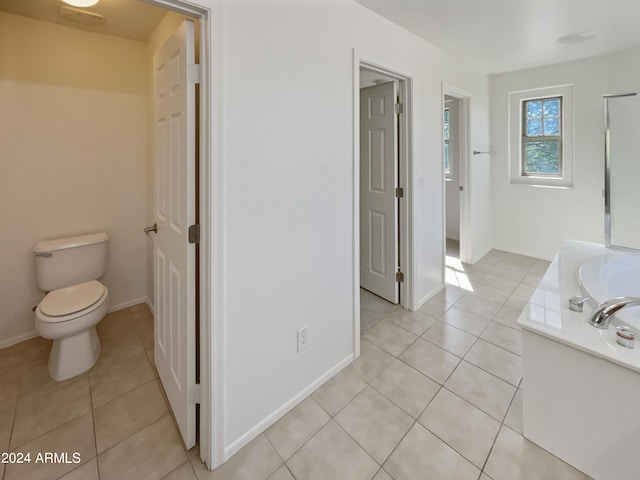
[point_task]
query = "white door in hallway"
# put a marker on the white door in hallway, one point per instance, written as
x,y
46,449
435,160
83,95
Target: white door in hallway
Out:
x,y
174,137
378,181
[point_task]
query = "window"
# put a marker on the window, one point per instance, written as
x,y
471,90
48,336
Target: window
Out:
x,y
541,137
447,165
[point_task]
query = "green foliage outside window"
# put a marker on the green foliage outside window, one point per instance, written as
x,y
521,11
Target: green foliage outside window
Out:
x,y
542,137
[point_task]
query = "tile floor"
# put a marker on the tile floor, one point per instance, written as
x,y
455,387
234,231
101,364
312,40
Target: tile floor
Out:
x,y
434,395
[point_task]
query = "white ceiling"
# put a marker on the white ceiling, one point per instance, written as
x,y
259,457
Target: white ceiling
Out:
x,y
505,35
122,18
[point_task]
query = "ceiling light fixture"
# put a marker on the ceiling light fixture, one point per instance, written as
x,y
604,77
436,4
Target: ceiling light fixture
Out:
x,y
81,3
579,37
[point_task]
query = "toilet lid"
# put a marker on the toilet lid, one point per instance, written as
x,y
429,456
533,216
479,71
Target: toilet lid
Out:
x,y
66,301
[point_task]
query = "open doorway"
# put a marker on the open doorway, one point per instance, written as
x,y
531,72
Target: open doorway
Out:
x,y
451,154
455,138
383,233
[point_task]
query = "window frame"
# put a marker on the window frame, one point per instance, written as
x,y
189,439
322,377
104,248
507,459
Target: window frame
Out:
x,y
517,137
542,136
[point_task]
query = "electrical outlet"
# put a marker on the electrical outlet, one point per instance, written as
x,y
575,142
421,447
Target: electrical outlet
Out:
x,y
303,338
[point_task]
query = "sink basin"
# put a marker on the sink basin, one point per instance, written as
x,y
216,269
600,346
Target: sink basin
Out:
x,y
615,274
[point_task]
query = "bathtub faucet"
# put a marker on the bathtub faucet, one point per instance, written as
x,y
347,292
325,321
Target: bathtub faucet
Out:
x,y
604,312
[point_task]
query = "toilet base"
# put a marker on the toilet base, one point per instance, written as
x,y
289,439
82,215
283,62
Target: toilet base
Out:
x,y
71,356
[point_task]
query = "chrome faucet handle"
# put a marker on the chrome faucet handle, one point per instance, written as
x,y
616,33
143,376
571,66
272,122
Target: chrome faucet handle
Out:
x,y
604,312
576,303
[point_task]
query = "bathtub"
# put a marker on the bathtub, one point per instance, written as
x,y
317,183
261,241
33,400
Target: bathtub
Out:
x,y
581,390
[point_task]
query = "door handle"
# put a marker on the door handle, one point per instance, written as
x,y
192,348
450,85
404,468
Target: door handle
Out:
x,y
153,229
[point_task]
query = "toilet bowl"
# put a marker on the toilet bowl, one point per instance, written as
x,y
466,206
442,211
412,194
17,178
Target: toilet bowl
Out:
x,y
69,316
76,301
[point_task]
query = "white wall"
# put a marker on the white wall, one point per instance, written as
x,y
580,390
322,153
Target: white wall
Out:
x,y
533,220
72,156
288,189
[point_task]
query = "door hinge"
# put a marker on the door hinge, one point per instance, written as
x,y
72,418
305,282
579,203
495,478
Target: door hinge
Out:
x,y
194,394
399,277
461,188
399,192
193,73
194,233
398,108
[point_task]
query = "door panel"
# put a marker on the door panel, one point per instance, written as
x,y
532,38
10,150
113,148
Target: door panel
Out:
x,y
378,179
174,116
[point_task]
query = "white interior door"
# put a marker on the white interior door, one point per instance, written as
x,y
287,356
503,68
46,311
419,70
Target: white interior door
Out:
x,y
378,180
174,119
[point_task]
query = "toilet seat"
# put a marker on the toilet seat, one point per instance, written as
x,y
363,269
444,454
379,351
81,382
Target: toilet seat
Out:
x,y
71,302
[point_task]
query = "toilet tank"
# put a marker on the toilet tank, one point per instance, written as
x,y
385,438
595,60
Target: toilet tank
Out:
x,y
68,261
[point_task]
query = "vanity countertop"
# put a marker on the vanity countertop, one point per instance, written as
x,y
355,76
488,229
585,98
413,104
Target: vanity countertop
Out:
x,y
548,313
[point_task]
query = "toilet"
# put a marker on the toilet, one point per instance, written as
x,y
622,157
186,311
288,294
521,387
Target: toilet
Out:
x,y
69,269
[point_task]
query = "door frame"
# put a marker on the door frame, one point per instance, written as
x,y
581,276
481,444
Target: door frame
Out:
x,y
464,97
211,421
405,180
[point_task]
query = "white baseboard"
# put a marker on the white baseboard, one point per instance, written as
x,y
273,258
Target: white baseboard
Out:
x,y
150,306
283,410
429,296
18,339
128,304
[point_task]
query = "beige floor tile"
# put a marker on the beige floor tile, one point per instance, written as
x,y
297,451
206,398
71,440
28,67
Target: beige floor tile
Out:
x,y
479,306
375,423
489,293
450,294
390,337
382,475
88,471
462,426
126,415
421,455
183,472
484,476
331,454
151,453
146,332
406,387
282,474
121,377
415,322
481,389
46,412
516,302
524,290
508,316
9,394
256,461
450,338
500,283
497,361
117,348
431,360
371,362
117,323
37,381
503,336
513,420
296,427
465,320
515,458
339,390
75,436
6,424
531,279
435,307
